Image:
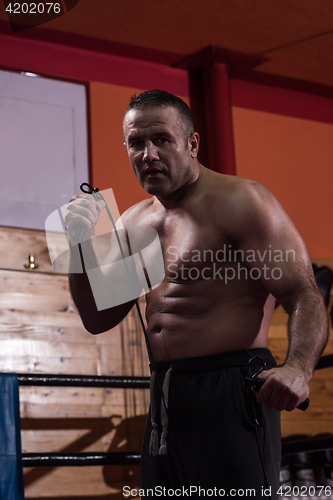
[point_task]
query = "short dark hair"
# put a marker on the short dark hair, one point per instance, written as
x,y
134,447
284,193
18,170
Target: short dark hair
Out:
x,y
155,98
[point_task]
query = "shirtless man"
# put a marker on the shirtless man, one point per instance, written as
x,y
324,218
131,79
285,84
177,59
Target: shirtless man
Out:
x,y
230,251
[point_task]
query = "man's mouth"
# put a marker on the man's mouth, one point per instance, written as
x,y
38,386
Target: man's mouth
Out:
x,y
152,171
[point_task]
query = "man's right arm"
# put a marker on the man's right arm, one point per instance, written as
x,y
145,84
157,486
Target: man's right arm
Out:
x,y
84,210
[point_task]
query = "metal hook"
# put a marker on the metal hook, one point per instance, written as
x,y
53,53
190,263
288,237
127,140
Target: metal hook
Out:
x,y
32,264
251,362
252,379
92,190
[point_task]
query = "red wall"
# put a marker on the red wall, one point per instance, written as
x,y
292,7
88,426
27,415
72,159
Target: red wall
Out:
x,y
283,139
113,79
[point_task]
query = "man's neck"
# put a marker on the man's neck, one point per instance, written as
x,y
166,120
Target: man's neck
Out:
x,y
184,192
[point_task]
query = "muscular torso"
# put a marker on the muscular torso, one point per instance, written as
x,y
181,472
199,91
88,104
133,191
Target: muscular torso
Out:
x,y
208,302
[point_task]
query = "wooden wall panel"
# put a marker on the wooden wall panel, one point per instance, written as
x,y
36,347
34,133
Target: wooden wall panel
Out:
x,y
41,332
318,418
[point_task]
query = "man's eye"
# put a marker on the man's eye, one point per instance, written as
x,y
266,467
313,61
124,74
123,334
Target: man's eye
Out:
x,y
136,144
161,140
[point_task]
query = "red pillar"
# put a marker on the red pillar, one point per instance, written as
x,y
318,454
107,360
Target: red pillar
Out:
x,y
221,152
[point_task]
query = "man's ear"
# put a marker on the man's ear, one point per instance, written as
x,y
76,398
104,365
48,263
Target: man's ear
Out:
x,y
193,143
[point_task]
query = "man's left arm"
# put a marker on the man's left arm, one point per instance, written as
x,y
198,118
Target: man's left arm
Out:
x,y
287,386
264,226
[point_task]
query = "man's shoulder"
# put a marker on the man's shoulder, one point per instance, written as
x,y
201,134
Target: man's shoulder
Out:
x,y
248,190
238,204
237,191
137,212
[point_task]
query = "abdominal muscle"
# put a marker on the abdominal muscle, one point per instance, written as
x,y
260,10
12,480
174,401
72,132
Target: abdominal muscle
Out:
x,y
188,319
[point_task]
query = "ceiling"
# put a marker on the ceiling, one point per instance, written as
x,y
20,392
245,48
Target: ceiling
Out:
x,y
295,37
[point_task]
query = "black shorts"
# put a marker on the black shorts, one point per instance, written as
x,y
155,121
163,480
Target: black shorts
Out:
x,y
216,432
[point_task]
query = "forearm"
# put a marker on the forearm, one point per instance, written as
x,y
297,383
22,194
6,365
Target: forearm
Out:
x,y
94,320
308,331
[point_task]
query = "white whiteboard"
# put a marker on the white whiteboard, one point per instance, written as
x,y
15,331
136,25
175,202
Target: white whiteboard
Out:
x,y
43,147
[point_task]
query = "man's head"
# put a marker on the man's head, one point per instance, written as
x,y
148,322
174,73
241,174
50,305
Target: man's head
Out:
x,y
158,98
160,142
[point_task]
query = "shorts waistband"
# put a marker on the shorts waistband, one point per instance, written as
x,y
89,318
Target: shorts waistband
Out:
x,y
231,359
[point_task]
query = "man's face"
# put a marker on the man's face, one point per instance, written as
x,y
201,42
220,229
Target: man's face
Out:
x,y
161,156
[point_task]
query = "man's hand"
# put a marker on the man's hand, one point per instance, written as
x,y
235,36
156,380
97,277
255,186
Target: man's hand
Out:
x,y
82,210
285,388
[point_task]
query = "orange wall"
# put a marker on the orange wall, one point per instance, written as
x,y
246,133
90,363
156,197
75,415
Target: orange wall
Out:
x,y
110,165
112,80
292,157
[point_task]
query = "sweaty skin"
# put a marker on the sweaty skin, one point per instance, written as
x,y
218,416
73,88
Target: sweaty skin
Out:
x,y
200,309
229,251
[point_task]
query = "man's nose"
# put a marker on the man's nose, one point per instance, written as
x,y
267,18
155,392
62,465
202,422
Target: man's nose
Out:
x,y
150,152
